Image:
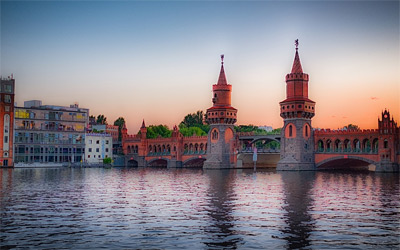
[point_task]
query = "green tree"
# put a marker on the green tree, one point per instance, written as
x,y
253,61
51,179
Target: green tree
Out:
x,y
101,119
194,120
120,123
192,131
153,131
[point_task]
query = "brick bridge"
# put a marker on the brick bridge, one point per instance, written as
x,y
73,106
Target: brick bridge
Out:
x,y
301,146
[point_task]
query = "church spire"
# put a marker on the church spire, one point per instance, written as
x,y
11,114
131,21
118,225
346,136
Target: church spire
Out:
x,y
296,64
222,77
143,125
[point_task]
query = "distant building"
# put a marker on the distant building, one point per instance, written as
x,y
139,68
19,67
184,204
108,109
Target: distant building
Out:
x,y
266,128
49,133
109,129
98,146
7,91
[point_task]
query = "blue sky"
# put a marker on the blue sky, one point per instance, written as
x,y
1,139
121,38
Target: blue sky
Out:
x,y
157,60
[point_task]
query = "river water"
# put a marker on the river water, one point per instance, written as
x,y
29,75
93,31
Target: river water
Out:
x,y
124,208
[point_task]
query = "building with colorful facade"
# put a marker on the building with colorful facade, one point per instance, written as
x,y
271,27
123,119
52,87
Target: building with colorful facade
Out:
x,y
49,134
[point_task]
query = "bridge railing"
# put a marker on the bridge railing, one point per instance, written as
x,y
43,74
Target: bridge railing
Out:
x,y
261,150
158,153
191,152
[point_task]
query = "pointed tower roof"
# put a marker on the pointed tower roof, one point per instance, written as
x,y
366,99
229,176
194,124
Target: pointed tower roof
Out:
x,y
222,77
296,68
143,125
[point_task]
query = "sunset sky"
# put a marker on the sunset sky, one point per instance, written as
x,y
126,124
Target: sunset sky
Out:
x,y
158,60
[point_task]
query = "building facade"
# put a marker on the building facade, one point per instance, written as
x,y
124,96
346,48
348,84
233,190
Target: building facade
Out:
x,y
49,134
7,92
98,146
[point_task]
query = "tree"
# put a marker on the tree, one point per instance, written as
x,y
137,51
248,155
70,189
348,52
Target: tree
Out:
x,y
101,119
351,127
194,120
120,123
192,131
159,130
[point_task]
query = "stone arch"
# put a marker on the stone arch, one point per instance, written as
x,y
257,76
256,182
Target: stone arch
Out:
x,y
320,146
136,149
338,145
328,145
366,145
375,145
194,162
150,149
343,162
132,163
158,162
385,143
356,145
129,149
346,145
201,146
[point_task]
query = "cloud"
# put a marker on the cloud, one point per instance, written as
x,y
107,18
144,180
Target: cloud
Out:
x,y
374,98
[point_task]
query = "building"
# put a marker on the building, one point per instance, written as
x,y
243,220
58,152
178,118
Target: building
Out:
x,y
7,91
97,147
266,128
297,110
105,128
49,134
221,117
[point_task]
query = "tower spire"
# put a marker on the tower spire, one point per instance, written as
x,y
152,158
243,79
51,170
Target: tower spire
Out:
x,y
296,63
222,77
143,125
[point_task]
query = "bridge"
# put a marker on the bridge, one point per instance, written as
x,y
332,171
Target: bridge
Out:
x,y
298,147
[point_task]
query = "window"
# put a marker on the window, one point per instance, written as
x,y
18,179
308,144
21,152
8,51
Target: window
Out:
x,y
106,149
94,156
7,98
106,141
99,156
7,108
97,150
88,156
97,142
8,88
90,150
90,141
290,130
5,139
385,144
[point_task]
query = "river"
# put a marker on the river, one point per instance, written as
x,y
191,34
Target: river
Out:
x,y
122,208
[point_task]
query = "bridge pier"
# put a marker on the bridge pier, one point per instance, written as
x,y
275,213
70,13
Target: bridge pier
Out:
x,y
390,167
174,164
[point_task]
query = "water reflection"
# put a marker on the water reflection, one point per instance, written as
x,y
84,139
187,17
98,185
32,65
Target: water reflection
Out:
x,y
298,202
220,232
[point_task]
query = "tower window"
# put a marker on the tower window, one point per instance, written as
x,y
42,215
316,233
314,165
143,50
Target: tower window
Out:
x,y
306,132
385,144
214,135
290,130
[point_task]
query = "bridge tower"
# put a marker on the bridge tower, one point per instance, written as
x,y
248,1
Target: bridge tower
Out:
x,y
297,142
389,143
221,117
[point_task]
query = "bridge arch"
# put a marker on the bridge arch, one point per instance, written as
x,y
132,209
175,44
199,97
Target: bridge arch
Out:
x,y
195,162
158,162
345,162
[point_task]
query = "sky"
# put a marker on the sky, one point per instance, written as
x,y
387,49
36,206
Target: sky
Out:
x,y
158,60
